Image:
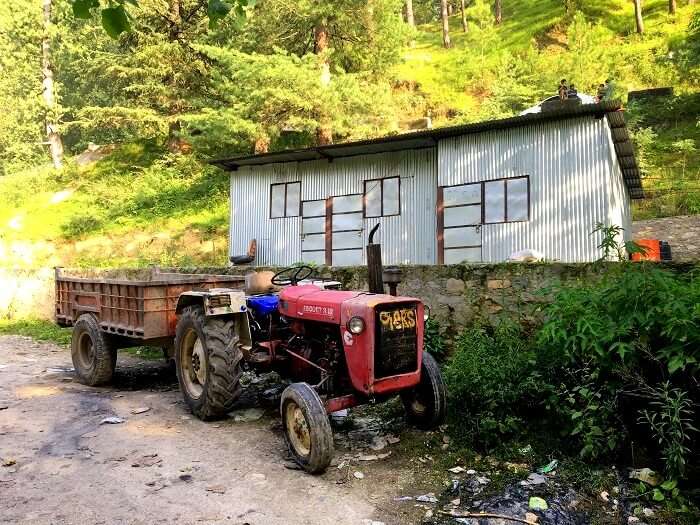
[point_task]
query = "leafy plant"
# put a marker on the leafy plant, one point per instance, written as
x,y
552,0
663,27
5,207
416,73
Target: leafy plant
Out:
x,y
433,341
670,419
491,380
634,330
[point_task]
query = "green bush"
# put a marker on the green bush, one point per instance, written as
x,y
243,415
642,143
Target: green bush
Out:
x,y
492,382
628,342
433,341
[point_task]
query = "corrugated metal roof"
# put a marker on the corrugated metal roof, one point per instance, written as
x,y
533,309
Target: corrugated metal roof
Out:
x,y
429,138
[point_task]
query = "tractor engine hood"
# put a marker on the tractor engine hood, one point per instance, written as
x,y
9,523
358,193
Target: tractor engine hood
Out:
x,y
311,303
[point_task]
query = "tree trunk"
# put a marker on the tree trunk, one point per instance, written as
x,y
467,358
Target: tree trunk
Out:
x,y
445,24
52,136
410,20
497,12
324,133
175,20
465,27
450,8
638,16
672,7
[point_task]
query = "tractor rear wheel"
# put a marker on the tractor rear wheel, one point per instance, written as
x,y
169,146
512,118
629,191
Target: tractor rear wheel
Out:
x,y
307,429
93,354
208,358
426,404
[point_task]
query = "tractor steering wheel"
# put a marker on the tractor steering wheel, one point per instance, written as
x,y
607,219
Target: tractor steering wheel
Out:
x,y
291,275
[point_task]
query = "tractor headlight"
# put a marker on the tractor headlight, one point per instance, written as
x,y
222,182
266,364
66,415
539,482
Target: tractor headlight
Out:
x,y
356,325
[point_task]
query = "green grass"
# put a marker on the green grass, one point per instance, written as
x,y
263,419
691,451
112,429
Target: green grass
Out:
x,y
37,329
46,331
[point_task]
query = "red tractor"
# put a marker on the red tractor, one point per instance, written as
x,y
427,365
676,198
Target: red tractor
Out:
x,y
342,349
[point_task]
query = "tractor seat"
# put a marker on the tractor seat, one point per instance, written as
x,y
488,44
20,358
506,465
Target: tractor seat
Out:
x,y
263,305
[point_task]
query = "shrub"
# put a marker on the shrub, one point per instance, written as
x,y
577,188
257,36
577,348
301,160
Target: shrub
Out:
x,y
491,382
628,342
433,341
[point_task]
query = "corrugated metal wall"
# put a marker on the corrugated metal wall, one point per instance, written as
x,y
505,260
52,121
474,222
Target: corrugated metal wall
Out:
x,y
575,182
406,238
570,168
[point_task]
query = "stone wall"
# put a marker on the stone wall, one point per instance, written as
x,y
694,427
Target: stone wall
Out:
x,y
682,233
457,295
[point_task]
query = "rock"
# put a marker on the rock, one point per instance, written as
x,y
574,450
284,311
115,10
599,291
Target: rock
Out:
x,y
8,462
456,502
471,472
292,465
604,496
428,513
483,480
427,498
4,407
358,475
187,478
217,489
532,518
632,519
534,479
536,503
648,513
147,461
392,440
454,285
456,470
404,498
140,410
646,475
378,443
112,420
498,284
248,415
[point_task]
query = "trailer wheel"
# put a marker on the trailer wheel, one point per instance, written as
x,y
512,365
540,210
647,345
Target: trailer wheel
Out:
x,y
426,404
307,430
208,362
93,354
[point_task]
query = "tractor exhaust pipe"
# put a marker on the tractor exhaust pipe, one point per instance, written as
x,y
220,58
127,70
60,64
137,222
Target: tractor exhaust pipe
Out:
x,y
374,264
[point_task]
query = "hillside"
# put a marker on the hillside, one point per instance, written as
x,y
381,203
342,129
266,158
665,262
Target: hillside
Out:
x,y
141,204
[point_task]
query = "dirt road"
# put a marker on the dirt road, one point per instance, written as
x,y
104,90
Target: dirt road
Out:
x,y
63,466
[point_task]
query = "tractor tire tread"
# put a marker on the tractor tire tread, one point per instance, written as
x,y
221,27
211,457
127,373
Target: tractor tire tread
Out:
x,y
224,355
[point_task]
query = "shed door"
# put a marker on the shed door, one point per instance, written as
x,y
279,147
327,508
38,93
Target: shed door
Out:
x,y
346,230
459,223
313,231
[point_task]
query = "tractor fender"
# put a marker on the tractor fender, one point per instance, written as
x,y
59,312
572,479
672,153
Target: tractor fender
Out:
x,y
214,302
219,303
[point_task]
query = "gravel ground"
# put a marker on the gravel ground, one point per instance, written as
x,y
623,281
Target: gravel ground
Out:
x,y
162,465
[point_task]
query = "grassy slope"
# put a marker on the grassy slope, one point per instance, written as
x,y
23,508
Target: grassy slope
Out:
x,y
140,206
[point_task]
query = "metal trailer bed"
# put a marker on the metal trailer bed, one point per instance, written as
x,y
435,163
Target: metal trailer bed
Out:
x,y
143,310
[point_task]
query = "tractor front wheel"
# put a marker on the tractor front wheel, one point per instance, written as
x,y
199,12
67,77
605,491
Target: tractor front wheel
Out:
x,y
208,358
426,404
94,356
307,429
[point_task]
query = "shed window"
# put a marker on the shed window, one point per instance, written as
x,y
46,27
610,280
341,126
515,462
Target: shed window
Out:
x,y
285,199
507,200
382,197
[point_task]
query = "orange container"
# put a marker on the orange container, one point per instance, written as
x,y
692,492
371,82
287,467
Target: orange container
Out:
x,y
653,250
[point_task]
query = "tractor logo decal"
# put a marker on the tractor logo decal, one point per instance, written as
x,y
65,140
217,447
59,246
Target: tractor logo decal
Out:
x,y
348,339
398,319
319,310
